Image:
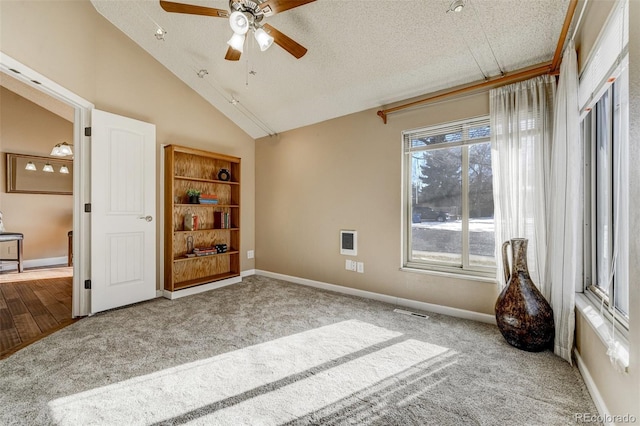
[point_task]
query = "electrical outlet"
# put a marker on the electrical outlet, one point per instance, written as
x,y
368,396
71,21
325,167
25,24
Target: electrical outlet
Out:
x,y
360,267
250,254
350,265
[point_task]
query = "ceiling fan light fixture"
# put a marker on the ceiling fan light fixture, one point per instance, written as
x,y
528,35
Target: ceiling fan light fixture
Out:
x,y
264,40
239,23
237,42
64,169
30,166
47,168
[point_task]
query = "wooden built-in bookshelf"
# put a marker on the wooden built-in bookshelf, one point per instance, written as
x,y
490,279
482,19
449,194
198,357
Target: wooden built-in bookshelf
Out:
x,y
187,168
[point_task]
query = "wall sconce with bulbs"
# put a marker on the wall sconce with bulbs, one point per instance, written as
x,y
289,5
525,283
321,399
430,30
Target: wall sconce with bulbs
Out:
x,y
61,150
46,168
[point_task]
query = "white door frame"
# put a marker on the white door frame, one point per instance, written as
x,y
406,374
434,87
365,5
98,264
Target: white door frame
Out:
x,y
81,174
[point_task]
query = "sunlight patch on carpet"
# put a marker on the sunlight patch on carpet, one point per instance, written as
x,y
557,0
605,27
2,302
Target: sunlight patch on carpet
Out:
x,y
326,388
173,392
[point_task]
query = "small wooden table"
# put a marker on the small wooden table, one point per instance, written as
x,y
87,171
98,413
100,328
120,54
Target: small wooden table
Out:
x,y
17,237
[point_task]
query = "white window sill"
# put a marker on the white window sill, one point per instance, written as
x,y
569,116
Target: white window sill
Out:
x,y
602,327
454,275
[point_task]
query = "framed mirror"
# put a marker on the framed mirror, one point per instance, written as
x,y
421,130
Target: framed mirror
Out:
x,y
29,174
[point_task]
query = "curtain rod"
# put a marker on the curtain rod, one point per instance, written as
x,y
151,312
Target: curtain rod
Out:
x,y
521,74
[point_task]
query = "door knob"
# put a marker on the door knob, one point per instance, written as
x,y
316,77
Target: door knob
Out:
x,y
147,218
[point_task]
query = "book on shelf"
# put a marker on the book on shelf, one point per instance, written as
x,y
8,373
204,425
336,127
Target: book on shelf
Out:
x,y
221,220
208,199
204,251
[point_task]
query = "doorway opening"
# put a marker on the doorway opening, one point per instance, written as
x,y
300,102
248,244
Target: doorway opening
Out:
x,y
79,240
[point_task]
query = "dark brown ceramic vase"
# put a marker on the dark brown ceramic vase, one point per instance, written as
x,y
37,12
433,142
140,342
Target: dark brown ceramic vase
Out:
x,y
524,317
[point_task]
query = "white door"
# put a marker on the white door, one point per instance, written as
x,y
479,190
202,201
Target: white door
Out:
x,y
123,204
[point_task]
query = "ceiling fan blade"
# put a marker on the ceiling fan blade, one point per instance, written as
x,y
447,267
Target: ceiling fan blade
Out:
x,y
232,54
285,42
170,6
271,7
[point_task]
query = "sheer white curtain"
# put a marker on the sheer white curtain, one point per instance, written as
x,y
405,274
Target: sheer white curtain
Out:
x,y
564,250
521,133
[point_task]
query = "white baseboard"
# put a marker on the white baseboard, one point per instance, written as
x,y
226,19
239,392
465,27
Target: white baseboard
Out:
x,y
34,263
206,287
592,388
200,288
413,304
248,273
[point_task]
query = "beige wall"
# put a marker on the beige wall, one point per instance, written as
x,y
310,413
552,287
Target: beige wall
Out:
x,y
620,391
44,219
71,44
346,174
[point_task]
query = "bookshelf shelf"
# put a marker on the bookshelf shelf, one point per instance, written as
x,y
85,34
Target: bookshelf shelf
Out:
x,y
232,206
186,259
207,230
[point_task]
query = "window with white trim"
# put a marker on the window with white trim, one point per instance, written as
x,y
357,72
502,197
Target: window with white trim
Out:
x,y
605,132
604,101
448,198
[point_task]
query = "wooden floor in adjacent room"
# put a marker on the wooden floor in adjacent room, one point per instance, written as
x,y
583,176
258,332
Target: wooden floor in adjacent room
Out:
x,y
33,304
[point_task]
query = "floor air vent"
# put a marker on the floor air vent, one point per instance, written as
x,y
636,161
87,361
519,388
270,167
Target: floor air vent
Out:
x,y
412,314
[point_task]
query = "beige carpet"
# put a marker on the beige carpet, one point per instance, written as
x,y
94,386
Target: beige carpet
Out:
x,y
266,352
36,274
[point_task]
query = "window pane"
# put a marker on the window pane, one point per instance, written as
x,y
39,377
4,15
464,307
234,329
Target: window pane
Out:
x,y
479,132
447,137
449,182
611,236
621,191
604,219
436,231
481,225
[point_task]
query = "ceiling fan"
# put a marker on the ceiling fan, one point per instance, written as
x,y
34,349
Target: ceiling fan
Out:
x,y
247,15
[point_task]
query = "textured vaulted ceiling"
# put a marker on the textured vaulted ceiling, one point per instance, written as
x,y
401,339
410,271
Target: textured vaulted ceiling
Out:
x,y
361,54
